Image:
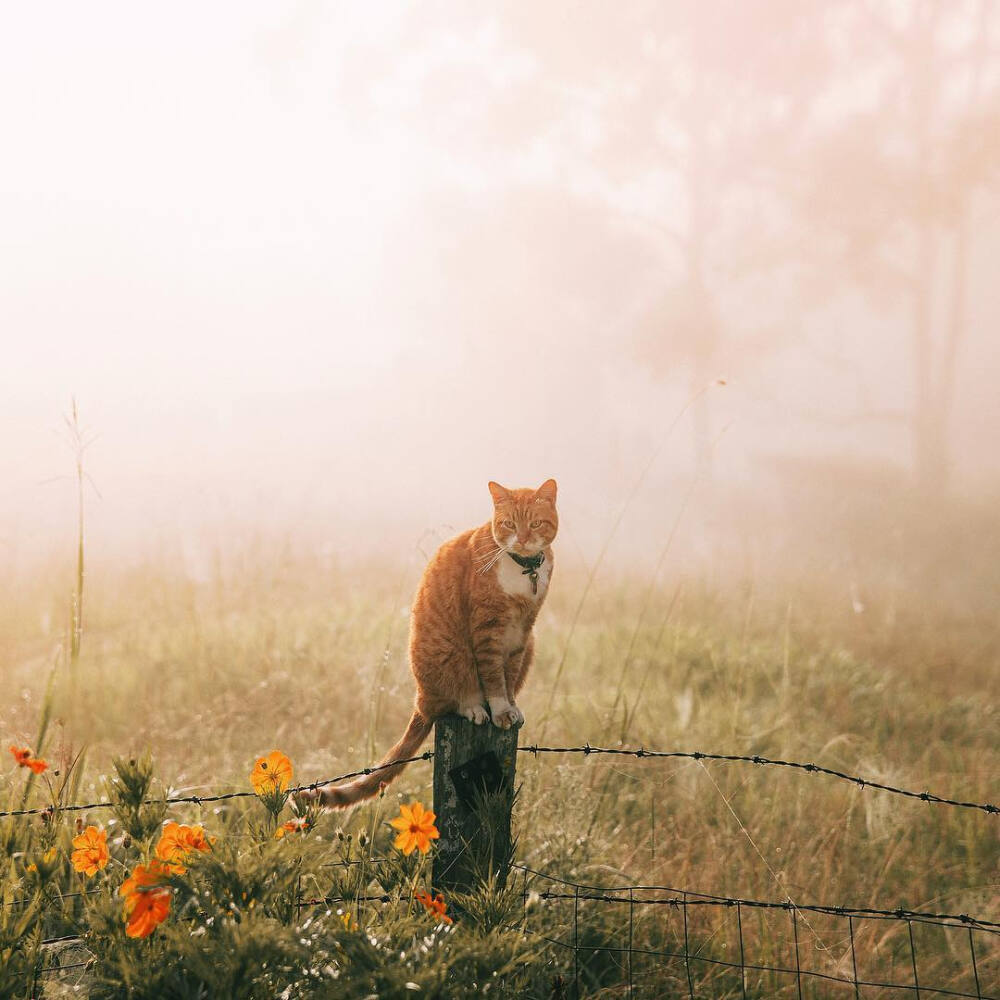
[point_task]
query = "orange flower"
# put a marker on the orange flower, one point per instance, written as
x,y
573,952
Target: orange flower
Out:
x,y
271,773
298,825
416,829
177,842
90,852
24,759
147,902
435,906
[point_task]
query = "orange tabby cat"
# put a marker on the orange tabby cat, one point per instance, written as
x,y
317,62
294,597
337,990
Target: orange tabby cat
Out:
x,y
470,627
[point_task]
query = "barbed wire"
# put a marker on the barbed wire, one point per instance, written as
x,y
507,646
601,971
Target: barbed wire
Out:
x,y
854,779
383,897
25,900
636,896
918,916
680,897
586,750
201,799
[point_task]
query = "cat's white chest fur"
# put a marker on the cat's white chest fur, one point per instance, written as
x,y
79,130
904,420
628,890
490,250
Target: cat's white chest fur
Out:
x,y
516,582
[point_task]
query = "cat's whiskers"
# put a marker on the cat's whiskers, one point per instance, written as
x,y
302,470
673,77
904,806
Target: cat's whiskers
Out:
x,y
485,569
491,563
490,555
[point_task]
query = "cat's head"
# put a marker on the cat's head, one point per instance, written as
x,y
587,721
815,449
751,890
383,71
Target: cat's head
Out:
x,y
524,521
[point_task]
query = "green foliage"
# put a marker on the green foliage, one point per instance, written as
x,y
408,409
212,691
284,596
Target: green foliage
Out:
x,y
243,920
495,906
128,793
20,938
273,800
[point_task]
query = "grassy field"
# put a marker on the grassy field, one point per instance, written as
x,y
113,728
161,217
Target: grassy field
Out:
x,y
309,656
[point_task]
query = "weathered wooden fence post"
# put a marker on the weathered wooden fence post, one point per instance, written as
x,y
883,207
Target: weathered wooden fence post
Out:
x,y
475,841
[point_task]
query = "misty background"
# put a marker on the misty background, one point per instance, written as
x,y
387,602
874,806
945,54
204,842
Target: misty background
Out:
x,y
315,272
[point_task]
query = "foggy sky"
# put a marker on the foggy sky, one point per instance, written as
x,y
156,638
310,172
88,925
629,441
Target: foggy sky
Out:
x,y
329,268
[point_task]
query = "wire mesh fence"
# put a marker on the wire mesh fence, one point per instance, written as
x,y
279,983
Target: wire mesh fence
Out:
x,y
645,941
649,941
657,940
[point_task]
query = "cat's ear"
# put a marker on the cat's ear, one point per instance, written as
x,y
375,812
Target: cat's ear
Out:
x,y
498,492
547,491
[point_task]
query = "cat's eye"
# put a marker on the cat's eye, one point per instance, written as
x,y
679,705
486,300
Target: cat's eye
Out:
x,y
508,524
535,524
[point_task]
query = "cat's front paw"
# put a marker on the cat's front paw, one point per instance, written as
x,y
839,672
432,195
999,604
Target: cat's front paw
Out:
x,y
505,714
474,713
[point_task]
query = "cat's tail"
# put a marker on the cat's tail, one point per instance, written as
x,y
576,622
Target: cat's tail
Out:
x,y
339,796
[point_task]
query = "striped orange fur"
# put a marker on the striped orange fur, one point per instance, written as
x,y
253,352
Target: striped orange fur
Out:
x,y
471,639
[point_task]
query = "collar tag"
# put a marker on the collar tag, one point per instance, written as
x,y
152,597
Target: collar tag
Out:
x,y
529,567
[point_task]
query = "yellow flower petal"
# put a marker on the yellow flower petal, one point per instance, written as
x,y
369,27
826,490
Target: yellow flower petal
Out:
x,y
416,826
271,773
90,852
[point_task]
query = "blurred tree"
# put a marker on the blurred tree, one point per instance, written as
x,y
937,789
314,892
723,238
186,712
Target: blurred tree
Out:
x,y
678,119
761,152
890,187
682,119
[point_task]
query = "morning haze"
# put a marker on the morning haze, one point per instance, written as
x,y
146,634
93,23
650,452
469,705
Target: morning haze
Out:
x,y
283,287
304,269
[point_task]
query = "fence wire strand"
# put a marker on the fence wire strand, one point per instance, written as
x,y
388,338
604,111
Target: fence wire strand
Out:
x,y
172,800
681,898
586,750
810,768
